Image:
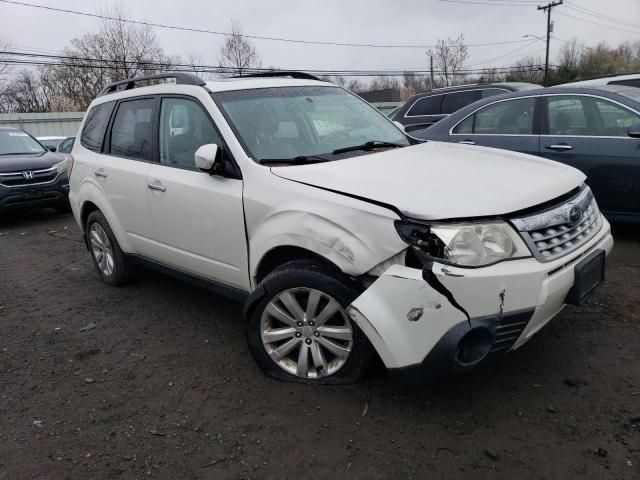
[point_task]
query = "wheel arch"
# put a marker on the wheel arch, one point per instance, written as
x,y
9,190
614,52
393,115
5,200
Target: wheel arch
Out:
x,y
282,254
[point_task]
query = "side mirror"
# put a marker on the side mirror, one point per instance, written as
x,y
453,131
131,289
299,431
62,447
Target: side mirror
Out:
x,y
206,157
634,130
399,125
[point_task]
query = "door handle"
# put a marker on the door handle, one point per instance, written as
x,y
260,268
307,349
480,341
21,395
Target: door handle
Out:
x,y
560,147
467,142
100,173
157,186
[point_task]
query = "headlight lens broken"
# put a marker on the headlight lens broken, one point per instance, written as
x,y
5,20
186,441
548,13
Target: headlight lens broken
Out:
x,y
466,244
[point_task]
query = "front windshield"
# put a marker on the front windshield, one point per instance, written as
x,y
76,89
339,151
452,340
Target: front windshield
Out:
x,y
294,122
15,142
51,142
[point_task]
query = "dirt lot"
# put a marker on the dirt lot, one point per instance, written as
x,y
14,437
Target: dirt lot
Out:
x,y
164,386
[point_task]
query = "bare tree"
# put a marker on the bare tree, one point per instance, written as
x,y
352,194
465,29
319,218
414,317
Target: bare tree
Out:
x,y
491,75
118,50
414,83
237,55
29,91
569,55
383,82
449,59
529,69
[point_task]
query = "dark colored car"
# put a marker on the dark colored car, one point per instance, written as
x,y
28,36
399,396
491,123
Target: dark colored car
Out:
x,y
596,130
31,175
424,109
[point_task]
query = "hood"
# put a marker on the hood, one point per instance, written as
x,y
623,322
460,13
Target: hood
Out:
x,y
438,180
18,163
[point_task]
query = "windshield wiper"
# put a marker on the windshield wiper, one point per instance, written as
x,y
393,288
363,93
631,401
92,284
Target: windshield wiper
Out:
x,y
299,160
373,144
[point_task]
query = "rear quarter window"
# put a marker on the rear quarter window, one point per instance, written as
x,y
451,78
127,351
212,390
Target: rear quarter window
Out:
x,y
95,126
425,106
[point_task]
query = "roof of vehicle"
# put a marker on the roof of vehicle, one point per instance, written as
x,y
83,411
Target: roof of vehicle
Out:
x,y
217,85
603,80
513,86
13,129
54,137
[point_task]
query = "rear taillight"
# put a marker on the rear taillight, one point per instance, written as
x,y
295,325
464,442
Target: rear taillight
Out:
x,y
69,165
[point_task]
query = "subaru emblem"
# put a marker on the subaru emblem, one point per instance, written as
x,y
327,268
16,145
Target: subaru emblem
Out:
x,y
575,215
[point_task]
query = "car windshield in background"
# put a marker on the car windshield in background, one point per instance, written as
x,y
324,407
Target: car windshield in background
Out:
x,y
632,93
15,142
298,122
51,142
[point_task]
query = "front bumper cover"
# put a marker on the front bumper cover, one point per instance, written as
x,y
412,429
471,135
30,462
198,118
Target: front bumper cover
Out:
x,y
417,320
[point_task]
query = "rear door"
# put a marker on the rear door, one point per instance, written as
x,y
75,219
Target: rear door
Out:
x,y
198,218
510,124
121,170
590,134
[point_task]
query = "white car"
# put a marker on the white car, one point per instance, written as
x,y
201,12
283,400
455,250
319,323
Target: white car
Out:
x,y
344,238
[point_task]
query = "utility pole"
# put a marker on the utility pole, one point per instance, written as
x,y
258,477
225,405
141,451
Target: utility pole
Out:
x,y
431,70
548,8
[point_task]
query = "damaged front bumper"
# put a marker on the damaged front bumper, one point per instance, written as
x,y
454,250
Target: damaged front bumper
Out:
x,y
433,323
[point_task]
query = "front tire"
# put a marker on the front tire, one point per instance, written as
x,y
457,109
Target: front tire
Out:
x,y
108,258
299,330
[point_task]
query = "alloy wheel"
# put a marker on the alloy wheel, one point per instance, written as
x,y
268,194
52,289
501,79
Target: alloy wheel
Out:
x,y
306,333
102,249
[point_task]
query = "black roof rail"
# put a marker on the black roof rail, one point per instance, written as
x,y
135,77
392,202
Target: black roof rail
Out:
x,y
281,73
181,78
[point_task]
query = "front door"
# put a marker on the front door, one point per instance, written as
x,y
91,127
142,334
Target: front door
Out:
x,y
198,219
590,134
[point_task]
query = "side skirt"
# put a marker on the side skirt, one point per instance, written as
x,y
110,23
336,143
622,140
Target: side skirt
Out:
x,y
218,288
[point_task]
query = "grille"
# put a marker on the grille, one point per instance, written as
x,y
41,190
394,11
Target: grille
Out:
x,y
17,179
560,230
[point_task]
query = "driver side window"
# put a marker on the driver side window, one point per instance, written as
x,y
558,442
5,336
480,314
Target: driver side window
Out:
x,y
184,127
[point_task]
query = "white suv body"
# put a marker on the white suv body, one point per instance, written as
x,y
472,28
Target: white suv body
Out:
x,y
438,256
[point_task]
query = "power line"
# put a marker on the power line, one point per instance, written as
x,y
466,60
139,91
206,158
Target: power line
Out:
x,y
589,21
505,55
217,69
254,37
472,2
598,15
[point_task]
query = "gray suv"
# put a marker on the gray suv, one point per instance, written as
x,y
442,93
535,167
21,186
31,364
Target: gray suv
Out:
x,y
424,109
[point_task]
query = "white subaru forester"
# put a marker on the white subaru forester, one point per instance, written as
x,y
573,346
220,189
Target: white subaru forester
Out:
x,y
344,237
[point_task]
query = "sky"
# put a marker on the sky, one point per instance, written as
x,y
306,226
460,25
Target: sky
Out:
x,y
415,22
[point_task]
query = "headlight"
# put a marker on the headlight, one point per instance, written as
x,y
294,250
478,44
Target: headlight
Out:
x,y
465,244
61,167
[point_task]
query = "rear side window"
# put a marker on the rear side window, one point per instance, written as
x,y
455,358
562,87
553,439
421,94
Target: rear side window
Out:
x,y
511,117
95,126
425,106
131,130
455,101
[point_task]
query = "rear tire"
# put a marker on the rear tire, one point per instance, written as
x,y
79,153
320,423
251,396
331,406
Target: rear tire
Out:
x,y
108,257
299,331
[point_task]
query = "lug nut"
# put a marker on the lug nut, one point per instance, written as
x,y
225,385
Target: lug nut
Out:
x,y
308,341
316,334
312,323
299,324
298,334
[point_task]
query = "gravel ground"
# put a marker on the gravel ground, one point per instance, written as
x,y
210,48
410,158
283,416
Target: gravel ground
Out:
x,y
163,386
